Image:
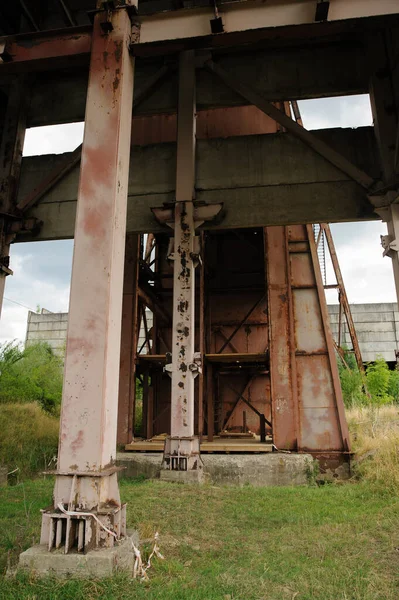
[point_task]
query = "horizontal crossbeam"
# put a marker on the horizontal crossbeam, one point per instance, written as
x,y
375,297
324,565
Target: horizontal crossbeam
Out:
x,y
43,51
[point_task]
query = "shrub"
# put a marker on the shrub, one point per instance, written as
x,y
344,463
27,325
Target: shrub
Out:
x,y
31,375
376,387
377,382
29,438
352,387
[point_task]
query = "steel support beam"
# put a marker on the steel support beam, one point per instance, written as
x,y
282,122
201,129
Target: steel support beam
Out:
x,y
285,418
86,479
44,51
343,298
129,340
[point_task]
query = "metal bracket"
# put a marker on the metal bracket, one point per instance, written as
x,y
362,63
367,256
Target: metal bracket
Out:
x,y
5,271
390,246
202,213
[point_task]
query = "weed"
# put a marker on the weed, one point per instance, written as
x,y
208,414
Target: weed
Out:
x,y
312,470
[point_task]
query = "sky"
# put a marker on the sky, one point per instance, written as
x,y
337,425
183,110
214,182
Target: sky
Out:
x,y
42,270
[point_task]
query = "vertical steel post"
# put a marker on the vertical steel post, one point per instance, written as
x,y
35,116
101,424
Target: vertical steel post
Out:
x,y
11,147
86,477
129,339
201,382
284,391
182,448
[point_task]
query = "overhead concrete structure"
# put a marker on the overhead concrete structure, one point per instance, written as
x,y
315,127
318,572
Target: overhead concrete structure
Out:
x,y
249,55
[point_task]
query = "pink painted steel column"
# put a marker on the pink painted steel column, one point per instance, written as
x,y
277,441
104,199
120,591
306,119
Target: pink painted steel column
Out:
x,y
182,408
89,408
86,477
182,449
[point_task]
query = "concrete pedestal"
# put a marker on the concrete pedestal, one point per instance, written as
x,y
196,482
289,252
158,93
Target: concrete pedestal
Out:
x,y
267,469
95,564
196,476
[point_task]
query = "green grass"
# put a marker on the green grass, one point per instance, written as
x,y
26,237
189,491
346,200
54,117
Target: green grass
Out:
x,y
329,543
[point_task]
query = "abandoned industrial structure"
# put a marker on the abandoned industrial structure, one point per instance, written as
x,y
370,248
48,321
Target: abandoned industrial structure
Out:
x,y
192,137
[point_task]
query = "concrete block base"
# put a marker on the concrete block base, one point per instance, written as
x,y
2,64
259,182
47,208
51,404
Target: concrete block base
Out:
x,y
265,469
97,564
196,476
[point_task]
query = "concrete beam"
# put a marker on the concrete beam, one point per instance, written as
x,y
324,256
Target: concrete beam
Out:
x,y
276,74
251,16
262,180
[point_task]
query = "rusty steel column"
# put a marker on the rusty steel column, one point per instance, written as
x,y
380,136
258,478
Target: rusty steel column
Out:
x,y
127,374
87,511
285,418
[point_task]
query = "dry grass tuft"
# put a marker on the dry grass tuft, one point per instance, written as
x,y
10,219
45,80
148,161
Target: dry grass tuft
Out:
x,y
375,441
29,438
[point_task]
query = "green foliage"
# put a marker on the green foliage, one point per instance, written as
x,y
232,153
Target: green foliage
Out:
x,y
377,381
312,471
29,438
352,386
33,374
377,387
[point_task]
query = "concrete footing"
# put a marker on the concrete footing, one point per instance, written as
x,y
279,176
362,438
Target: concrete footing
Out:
x,y
234,469
196,476
104,562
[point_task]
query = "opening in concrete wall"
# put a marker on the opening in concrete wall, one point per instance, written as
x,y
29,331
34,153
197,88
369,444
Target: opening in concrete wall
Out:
x,y
340,111
41,280
53,139
42,270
